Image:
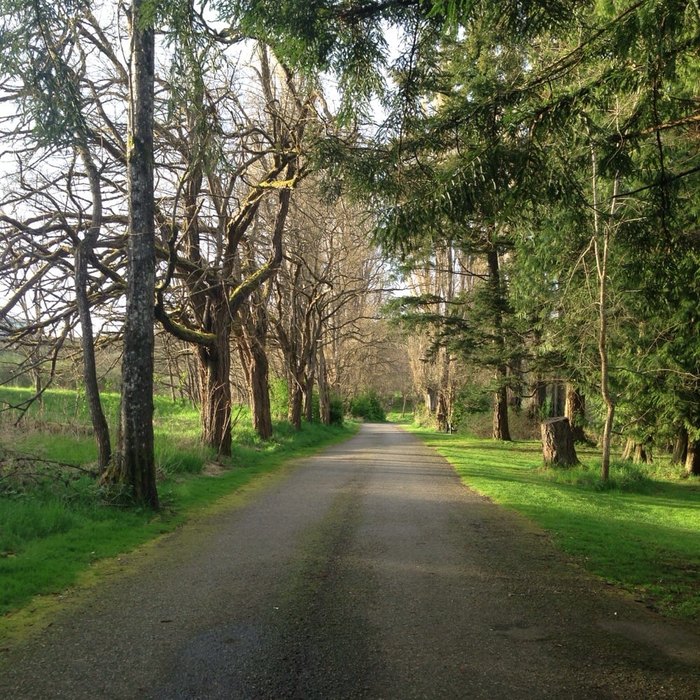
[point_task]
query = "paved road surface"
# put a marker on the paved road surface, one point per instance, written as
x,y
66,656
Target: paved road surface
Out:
x,y
369,571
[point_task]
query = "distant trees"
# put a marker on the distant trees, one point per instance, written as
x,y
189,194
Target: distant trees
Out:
x,y
224,223
322,299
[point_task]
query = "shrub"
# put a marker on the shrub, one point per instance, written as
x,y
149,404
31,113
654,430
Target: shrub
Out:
x,y
369,407
337,410
279,398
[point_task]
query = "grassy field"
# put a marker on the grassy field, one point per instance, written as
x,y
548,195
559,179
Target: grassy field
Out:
x,y
54,521
640,532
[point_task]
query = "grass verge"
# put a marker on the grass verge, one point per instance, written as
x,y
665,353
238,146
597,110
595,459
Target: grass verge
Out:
x,y
640,531
54,524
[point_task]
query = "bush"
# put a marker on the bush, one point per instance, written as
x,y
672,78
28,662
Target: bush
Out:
x,y
369,407
337,410
279,399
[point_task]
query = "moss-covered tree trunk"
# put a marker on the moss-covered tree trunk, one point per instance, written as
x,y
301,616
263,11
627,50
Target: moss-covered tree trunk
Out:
x,y
257,369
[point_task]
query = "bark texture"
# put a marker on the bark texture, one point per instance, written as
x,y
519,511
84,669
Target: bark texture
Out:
x,y
501,429
135,467
692,459
256,365
215,384
296,400
558,442
575,411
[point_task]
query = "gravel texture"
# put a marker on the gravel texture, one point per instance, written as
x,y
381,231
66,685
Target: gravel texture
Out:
x,y
367,572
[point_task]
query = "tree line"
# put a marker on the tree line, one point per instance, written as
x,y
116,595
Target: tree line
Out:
x,y
532,179
150,186
535,181
539,180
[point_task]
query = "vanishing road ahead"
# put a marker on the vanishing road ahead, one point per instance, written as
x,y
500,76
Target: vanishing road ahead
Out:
x,y
366,572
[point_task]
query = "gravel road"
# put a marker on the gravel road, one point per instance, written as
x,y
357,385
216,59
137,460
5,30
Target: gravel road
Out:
x,y
367,572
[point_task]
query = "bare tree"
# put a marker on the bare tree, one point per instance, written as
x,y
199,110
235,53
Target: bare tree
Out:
x,y
48,75
238,161
325,303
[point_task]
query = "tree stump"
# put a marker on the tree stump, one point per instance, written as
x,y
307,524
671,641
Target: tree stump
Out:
x,y
558,442
692,459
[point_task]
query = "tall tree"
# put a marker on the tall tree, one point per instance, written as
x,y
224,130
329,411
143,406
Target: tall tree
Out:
x,y
135,465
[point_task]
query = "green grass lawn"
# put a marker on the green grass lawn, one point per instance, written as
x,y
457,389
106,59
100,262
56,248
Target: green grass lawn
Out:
x,y
57,523
640,532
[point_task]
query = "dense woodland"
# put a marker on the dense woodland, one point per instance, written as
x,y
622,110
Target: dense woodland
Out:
x,y
473,206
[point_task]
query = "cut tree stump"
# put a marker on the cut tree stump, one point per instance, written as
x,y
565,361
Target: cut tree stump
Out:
x,y
558,442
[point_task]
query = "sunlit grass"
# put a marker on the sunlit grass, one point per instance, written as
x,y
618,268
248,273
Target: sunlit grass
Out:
x,y
640,531
56,524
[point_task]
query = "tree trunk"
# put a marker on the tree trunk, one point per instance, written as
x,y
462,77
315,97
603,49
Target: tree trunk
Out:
x,y
515,390
575,411
431,400
87,338
680,447
442,414
501,430
558,442
92,391
539,399
324,394
601,247
215,387
642,455
172,374
692,459
607,439
636,452
309,398
629,449
296,397
35,353
194,389
258,373
135,466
